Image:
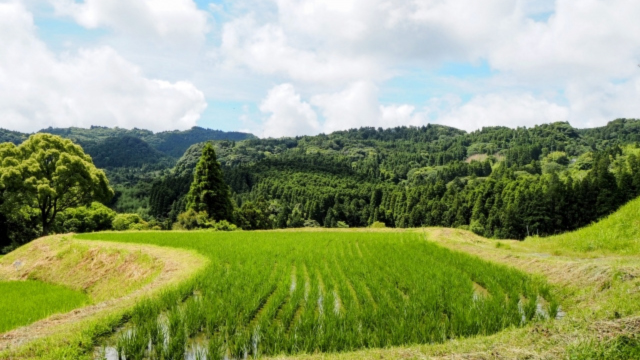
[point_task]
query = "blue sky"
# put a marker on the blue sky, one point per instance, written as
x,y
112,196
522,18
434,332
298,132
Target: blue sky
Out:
x,y
294,67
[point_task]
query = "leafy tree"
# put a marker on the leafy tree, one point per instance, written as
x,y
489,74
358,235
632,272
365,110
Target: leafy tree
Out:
x,y
208,191
50,175
254,216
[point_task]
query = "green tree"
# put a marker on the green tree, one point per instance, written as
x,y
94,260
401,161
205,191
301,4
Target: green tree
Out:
x,y
208,190
49,174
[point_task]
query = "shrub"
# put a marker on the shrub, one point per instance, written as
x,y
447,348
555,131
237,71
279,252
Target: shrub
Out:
x,y
129,222
378,225
311,223
342,225
222,225
96,217
190,220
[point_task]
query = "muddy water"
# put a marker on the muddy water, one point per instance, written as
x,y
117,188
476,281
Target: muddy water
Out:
x,y
196,350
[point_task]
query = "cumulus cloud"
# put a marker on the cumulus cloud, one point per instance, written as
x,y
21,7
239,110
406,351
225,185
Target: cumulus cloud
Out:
x,y
548,59
89,87
355,106
595,40
290,116
510,110
580,54
177,21
267,49
595,105
348,40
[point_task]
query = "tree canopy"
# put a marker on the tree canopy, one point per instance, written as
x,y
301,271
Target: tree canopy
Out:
x,y
49,174
208,191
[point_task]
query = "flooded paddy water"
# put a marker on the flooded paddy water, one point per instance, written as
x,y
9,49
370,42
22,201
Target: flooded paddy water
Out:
x,y
268,294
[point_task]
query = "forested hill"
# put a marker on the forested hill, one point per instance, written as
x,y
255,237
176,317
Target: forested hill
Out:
x,y
116,147
499,182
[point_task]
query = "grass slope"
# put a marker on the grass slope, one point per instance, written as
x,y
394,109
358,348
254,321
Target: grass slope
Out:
x,y
114,277
101,272
617,234
23,302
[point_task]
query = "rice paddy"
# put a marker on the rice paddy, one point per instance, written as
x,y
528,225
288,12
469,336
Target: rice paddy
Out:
x,y
271,293
24,302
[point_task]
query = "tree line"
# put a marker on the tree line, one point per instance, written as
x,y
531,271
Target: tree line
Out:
x,y
498,182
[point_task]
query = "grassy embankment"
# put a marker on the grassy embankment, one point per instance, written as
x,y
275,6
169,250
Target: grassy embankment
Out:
x,y
110,277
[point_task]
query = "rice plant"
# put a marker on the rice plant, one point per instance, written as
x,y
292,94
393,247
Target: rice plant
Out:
x,y
24,302
271,293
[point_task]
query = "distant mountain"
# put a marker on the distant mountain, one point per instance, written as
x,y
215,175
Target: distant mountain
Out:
x,y
117,148
126,151
12,136
171,143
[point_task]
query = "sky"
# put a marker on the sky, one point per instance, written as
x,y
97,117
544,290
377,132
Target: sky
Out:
x,y
300,67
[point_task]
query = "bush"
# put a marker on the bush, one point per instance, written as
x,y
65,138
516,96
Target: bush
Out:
x,y
378,225
311,223
342,225
124,222
96,217
477,227
191,220
223,225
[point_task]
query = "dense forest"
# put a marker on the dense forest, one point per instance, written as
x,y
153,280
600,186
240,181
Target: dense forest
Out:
x,y
498,182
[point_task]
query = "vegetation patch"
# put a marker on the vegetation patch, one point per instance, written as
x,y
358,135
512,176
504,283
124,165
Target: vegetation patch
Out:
x,y
100,272
141,270
619,234
23,302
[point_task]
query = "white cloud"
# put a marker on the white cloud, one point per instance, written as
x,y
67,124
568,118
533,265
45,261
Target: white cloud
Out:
x,y
356,106
290,116
498,110
595,105
266,49
591,39
353,107
573,52
176,21
578,58
90,87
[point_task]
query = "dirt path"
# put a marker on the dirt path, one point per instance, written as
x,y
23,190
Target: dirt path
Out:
x,y
173,265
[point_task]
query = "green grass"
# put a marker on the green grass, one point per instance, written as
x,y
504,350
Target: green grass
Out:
x,y
619,348
24,302
270,293
618,234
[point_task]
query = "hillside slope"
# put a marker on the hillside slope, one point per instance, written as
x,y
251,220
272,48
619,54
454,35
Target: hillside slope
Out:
x,y
618,233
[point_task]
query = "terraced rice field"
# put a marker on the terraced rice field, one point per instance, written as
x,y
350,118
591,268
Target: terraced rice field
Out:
x,y
270,293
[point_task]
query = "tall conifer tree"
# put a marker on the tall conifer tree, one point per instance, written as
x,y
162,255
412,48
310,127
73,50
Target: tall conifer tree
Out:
x,y
208,191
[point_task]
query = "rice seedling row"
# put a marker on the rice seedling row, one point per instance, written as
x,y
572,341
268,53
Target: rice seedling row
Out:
x,y
276,293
